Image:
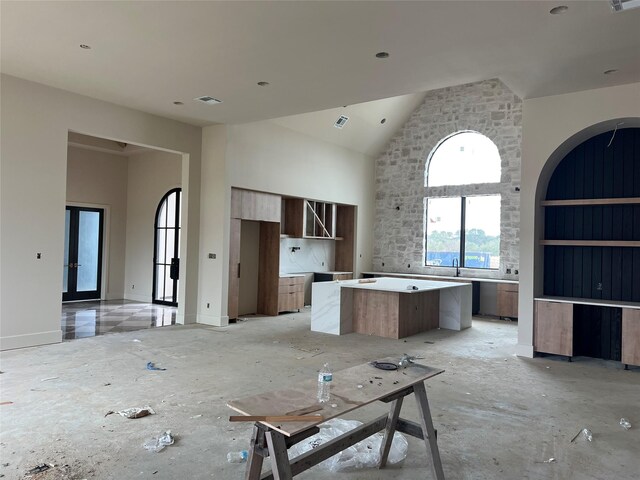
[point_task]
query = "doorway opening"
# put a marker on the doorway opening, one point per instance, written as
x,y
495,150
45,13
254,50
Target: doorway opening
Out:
x,y
166,251
82,272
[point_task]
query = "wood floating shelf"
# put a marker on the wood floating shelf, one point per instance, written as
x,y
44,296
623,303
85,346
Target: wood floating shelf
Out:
x,y
590,201
592,243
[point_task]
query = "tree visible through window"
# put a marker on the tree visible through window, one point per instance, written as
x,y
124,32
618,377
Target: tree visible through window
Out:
x,y
464,229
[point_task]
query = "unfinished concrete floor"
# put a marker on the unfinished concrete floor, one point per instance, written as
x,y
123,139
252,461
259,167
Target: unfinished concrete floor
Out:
x,y
498,416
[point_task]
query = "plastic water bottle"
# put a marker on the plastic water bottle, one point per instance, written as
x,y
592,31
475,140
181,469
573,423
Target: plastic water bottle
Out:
x,y
237,457
324,383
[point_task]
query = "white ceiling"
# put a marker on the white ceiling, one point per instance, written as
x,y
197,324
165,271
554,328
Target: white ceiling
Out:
x,y
316,55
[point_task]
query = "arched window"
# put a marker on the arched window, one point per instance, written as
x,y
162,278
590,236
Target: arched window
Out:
x,y
166,261
463,158
463,230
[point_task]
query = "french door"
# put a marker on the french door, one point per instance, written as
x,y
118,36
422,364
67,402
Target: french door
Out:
x,y
82,271
166,259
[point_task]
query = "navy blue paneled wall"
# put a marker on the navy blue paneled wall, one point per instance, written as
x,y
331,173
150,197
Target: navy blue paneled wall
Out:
x,y
593,170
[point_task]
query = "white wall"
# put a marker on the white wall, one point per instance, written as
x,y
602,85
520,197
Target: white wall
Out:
x,y
100,179
267,157
552,126
151,176
35,122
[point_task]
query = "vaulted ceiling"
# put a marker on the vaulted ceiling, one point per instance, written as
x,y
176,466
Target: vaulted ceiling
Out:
x,y
315,55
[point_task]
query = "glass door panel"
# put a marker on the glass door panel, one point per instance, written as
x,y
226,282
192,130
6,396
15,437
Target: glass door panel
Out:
x,y
166,261
82,270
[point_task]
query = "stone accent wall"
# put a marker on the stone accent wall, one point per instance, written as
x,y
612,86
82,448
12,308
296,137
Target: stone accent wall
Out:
x,y
487,107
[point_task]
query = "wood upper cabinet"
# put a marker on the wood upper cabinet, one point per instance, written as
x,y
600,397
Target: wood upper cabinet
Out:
x,y
553,327
630,336
293,217
507,294
257,206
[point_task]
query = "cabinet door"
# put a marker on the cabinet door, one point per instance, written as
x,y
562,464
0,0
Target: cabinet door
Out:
x,y
507,294
261,207
234,268
553,328
630,336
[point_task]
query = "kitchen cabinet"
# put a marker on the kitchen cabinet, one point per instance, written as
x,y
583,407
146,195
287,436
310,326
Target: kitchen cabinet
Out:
x,y
290,293
553,327
507,296
631,336
257,206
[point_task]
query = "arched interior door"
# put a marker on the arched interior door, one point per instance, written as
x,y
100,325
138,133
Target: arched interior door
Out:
x,y
166,259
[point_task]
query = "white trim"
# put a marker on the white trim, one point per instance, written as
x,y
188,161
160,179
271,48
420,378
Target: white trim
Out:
x,y
30,340
222,321
137,298
524,350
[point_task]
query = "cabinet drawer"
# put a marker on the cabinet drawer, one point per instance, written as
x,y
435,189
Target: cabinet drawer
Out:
x,y
553,328
291,288
507,287
343,276
291,281
290,301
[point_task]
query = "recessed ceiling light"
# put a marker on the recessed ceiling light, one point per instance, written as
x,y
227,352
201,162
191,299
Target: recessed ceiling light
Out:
x,y
263,84
85,46
382,55
558,10
383,120
178,103
609,72
209,100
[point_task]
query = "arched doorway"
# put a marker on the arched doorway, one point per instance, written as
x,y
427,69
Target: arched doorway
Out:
x,y
166,250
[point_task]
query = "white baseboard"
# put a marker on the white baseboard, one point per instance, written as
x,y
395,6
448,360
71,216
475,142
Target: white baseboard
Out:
x,y
137,298
213,320
186,319
524,350
114,296
30,340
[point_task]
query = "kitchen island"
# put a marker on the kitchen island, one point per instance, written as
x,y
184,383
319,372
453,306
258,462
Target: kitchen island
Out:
x,y
389,307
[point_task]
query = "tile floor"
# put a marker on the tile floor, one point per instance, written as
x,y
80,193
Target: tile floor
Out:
x,y
88,319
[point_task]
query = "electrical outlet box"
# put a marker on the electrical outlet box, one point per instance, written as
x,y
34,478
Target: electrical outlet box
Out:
x,y
212,256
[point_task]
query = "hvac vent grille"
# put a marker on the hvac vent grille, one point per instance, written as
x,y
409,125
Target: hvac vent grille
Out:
x,y
208,100
342,120
623,5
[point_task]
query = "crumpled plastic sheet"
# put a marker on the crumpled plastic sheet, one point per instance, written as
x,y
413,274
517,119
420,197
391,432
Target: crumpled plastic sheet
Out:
x,y
624,423
137,412
364,454
157,444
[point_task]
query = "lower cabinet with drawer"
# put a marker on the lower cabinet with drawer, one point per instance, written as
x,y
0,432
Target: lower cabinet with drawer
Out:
x,y
507,296
290,293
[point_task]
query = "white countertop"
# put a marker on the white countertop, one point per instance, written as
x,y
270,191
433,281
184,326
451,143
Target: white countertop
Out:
x,y
285,275
400,285
591,301
444,277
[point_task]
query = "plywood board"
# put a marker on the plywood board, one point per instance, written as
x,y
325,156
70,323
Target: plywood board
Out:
x,y
345,393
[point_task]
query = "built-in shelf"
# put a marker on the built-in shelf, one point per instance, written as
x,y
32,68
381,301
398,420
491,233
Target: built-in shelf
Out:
x,y
592,243
590,301
590,201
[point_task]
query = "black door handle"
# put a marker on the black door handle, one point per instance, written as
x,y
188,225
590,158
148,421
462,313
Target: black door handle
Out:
x,y
174,271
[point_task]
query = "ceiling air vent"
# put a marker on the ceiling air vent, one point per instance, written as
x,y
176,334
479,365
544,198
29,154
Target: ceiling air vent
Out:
x,y
342,120
623,5
208,100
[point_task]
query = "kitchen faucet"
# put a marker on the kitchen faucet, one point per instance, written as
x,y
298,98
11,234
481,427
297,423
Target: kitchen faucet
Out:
x,y
454,263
